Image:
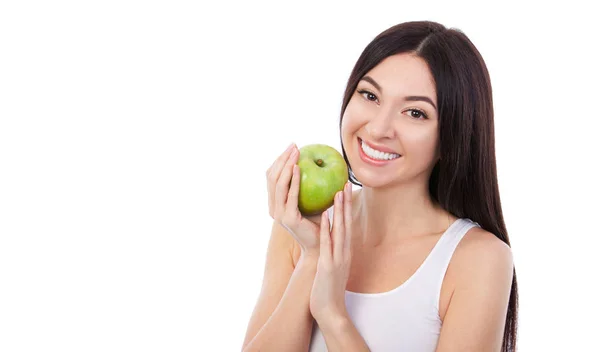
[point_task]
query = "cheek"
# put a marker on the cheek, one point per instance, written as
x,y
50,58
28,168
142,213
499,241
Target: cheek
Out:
x,y
355,115
421,143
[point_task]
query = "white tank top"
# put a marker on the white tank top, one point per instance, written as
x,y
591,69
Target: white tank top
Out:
x,y
407,317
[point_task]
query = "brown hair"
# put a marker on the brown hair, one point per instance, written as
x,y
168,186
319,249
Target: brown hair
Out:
x,y
464,182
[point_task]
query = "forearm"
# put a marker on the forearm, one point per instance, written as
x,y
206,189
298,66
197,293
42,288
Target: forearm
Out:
x,y
342,335
290,326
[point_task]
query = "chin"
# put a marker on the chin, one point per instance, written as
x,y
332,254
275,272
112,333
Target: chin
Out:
x,y
371,179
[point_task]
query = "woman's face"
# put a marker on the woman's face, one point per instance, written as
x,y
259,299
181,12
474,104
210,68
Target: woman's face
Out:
x,y
382,113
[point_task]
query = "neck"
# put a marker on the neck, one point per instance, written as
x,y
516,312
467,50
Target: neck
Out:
x,y
392,214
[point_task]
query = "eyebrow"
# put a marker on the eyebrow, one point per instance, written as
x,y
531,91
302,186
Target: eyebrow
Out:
x,y
408,98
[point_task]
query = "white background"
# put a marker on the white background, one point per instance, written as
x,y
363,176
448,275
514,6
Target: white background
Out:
x,y
135,136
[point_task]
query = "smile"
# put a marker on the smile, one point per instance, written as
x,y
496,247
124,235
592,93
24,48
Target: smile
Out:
x,y
375,157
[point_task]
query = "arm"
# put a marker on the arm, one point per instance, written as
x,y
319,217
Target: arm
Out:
x,y
477,311
281,320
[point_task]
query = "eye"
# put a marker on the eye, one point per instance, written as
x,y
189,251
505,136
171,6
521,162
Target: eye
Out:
x,y
416,113
369,96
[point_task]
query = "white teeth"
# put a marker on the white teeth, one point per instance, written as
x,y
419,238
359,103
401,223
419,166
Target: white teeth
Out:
x,y
376,154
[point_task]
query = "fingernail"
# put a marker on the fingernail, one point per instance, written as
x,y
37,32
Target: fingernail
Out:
x,y
290,147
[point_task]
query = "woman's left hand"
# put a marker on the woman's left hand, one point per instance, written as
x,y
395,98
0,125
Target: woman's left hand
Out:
x,y
328,295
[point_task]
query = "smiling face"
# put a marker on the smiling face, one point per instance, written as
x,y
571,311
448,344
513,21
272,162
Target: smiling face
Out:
x,y
393,107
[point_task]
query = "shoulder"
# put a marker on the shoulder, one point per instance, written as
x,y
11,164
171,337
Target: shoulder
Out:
x,y
481,253
476,315
481,243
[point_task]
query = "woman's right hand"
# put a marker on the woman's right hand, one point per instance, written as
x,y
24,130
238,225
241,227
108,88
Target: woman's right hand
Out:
x,y
283,184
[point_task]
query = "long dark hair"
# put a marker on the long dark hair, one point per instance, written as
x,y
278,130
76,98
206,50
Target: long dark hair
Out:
x,y
464,180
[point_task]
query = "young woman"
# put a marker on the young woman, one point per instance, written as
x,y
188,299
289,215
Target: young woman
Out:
x,y
418,258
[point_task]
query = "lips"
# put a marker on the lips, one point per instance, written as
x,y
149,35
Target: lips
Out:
x,y
374,162
378,147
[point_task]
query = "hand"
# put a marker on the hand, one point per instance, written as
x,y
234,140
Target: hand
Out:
x,y
283,201
328,296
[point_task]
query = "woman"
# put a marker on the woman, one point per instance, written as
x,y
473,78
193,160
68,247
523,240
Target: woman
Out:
x,y
418,258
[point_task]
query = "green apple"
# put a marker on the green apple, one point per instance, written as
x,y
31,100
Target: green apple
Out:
x,y
323,173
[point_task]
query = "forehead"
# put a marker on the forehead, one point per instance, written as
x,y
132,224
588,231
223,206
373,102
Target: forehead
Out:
x,y
404,74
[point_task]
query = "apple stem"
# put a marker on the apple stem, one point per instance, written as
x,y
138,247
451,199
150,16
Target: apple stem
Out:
x,y
320,162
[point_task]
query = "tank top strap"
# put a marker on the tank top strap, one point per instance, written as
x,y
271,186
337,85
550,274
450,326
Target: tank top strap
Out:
x,y
434,270
430,275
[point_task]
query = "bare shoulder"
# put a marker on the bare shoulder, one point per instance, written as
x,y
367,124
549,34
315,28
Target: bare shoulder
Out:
x,y
480,252
478,239
476,314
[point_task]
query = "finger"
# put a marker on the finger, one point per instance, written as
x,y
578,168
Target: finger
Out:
x,y
274,171
292,200
325,240
348,219
279,163
283,183
338,227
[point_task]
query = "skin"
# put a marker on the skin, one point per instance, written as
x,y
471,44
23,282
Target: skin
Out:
x,y
394,203
382,233
395,224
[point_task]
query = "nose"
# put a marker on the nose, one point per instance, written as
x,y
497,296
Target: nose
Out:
x,y
380,126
